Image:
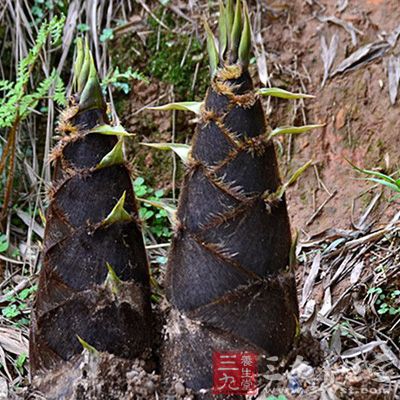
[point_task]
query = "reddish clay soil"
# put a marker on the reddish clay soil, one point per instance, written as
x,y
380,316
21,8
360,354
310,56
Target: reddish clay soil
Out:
x,y
361,124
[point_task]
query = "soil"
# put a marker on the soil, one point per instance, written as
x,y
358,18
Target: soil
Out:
x,y
361,124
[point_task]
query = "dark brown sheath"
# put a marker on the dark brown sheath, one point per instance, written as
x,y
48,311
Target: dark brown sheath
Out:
x,y
94,283
228,278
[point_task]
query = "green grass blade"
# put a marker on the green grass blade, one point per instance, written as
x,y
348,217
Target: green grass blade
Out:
x,y
375,174
298,173
390,185
85,69
282,190
230,15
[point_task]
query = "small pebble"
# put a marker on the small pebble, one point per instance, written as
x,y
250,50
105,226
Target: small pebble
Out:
x,y
179,389
131,374
303,370
149,385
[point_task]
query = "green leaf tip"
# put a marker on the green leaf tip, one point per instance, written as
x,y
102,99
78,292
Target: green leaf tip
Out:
x,y
105,129
245,40
78,62
182,150
293,179
293,130
236,31
234,36
86,81
114,157
283,94
112,281
193,106
212,49
118,213
91,96
86,346
230,15
85,68
223,30
378,177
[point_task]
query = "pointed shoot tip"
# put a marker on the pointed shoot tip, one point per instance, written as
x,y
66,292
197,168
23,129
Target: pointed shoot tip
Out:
x,y
236,32
245,40
118,213
112,280
212,49
86,346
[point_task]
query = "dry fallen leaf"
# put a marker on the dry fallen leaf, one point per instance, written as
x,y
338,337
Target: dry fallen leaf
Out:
x,y
11,340
328,55
356,272
393,67
347,26
359,350
361,57
309,283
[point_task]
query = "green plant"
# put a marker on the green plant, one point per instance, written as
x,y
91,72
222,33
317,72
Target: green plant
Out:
x,y
20,362
120,80
41,8
19,98
17,307
83,28
388,302
280,397
94,287
3,243
172,57
155,218
381,178
106,34
16,102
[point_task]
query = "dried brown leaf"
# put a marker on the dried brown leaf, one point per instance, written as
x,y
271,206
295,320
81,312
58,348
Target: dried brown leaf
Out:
x,y
309,283
361,57
328,55
360,350
11,340
393,67
356,272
